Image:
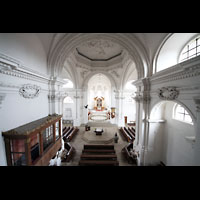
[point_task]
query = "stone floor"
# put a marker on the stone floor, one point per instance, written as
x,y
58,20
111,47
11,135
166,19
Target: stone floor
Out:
x,y
77,142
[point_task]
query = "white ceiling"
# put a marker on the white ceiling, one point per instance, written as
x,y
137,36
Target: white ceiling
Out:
x,y
99,49
103,49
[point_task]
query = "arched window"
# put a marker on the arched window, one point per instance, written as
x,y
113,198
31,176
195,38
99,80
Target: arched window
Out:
x,y
191,50
181,114
68,100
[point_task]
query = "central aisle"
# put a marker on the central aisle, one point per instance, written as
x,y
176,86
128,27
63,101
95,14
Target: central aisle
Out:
x,y
77,142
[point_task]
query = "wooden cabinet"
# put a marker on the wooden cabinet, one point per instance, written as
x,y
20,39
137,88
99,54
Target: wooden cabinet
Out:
x,y
34,143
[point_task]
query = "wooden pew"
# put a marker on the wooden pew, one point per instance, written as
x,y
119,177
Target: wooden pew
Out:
x,y
130,134
72,133
125,134
131,130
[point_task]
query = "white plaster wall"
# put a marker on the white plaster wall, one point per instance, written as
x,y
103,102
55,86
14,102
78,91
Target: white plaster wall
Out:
x,y
16,110
26,48
176,149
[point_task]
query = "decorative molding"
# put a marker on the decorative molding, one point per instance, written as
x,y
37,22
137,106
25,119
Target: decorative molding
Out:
x,y
12,67
29,91
2,97
78,97
187,69
168,93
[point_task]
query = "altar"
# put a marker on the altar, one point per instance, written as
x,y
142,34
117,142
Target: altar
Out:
x,y
98,115
98,131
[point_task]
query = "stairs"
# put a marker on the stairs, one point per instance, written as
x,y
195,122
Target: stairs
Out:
x,y
98,155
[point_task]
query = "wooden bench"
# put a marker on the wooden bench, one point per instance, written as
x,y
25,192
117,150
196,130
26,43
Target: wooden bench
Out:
x,y
68,153
132,131
98,163
130,134
65,130
72,133
125,134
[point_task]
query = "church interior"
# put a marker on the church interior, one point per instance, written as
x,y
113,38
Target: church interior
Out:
x,y
100,99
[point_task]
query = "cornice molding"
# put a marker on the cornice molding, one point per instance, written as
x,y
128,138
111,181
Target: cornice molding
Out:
x,y
187,69
12,67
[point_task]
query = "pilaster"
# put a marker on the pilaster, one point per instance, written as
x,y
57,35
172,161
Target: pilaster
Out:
x,y
197,132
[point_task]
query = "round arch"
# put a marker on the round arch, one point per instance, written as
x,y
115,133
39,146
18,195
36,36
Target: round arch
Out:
x,y
89,76
168,52
67,44
175,101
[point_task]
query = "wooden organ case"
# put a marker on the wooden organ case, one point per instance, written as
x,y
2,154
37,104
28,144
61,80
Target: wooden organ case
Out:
x,y
35,143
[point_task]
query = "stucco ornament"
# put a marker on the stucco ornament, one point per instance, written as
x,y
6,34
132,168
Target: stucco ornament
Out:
x,y
29,91
168,93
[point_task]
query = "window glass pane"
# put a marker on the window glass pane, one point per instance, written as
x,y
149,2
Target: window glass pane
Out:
x,y
183,56
192,52
18,152
179,116
198,49
188,118
180,109
57,130
198,41
192,45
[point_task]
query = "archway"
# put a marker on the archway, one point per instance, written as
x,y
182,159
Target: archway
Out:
x,y
168,139
68,43
99,97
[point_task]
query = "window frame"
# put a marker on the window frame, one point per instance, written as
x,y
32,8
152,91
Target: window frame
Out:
x,y
185,112
195,39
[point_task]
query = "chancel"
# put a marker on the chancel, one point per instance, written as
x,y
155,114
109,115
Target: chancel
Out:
x,y
100,99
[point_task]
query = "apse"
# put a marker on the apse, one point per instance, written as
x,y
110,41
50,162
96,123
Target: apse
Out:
x,y
99,87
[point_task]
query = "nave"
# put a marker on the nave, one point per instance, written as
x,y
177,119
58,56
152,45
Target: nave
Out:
x,y
78,143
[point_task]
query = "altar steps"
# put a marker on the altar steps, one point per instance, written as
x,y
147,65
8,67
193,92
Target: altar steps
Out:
x,y
98,163
99,151
98,155
99,146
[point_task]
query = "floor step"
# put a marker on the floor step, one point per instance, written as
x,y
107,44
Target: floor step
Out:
x,y
99,151
99,157
98,163
98,146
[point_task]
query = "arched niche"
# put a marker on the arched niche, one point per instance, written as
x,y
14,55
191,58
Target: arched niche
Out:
x,y
99,89
168,138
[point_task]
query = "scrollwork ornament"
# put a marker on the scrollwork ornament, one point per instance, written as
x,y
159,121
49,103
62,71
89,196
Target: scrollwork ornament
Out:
x,y
168,93
29,91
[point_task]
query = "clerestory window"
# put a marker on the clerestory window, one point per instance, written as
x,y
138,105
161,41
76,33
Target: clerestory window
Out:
x,y
191,50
